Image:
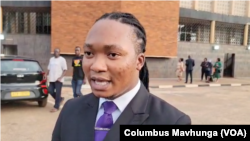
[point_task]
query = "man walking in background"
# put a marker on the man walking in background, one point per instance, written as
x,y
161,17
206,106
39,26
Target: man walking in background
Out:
x,y
56,70
189,68
203,69
78,75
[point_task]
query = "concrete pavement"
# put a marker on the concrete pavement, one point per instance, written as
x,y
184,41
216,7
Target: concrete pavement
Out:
x,y
174,83
217,105
25,121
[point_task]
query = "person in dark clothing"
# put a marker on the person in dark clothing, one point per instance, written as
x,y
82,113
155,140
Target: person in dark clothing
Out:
x,y
189,68
203,69
78,74
209,69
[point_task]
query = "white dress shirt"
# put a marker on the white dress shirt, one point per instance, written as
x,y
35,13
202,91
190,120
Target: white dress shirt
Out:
x,y
121,102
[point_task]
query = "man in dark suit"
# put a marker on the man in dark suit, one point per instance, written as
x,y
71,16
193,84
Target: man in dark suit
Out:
x,y
114,64
189,68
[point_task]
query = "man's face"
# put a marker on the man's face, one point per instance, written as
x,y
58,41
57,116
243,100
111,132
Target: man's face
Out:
x,y
111,63
56,52
77,51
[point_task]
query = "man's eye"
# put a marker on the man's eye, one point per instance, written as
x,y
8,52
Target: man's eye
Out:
x,y
87,53
113,55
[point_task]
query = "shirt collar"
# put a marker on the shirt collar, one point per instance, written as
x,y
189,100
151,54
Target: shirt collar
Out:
x,y
122,101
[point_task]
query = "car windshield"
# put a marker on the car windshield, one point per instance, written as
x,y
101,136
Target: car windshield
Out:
x,y
23,66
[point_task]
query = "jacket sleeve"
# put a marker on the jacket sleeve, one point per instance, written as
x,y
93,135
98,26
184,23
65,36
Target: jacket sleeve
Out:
x,y
183,120
56,135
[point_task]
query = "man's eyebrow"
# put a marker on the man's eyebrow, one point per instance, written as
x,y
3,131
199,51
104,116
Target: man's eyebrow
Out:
x,y
106,47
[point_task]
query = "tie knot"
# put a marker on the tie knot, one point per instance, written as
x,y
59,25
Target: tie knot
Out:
x,y
109,107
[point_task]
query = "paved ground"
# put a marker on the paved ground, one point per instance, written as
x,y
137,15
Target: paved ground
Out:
x,y
24,121
222,105
161,82
156,82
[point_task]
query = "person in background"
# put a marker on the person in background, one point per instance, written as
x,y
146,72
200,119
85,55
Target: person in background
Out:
x,y
217,69
180,69
203,69
78,75
114,55
56,70
209,70
189,68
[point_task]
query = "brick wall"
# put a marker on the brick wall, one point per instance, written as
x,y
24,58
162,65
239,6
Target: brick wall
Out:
x,y
71,21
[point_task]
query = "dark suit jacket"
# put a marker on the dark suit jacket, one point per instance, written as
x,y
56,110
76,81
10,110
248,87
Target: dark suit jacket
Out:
x,y
190,64
76,121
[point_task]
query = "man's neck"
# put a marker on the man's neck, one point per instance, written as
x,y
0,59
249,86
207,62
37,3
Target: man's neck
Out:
x,y
119,95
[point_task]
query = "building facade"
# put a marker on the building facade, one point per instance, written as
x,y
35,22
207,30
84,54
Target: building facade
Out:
x,y
204,24
174,30
26,28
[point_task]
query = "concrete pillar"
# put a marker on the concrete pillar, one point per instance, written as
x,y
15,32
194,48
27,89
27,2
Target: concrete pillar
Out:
x,y
1,20
195,5
245,41
214,6
212,32
231,9
248,9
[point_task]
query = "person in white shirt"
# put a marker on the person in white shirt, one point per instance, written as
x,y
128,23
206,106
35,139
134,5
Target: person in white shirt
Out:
x,y
56,70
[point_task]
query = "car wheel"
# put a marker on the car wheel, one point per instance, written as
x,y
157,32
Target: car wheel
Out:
x,y
42,103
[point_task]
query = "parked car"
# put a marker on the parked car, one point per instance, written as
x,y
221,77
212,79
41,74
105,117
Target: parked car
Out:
x,y
22,79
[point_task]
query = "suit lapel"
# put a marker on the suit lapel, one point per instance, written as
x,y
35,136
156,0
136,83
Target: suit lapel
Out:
x,y
87,118
134,114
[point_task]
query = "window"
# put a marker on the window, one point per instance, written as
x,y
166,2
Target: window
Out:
x,y
248,36
43,25
9,22
9,49
193,30
19,22
187,33
26,66
231,34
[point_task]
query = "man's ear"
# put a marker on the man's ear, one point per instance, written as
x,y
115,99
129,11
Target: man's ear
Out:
x,y
140,61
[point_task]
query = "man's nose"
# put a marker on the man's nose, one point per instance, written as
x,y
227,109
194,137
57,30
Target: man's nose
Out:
x,y
99,65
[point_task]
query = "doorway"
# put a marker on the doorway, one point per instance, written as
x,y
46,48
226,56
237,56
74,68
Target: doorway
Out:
x,y
9,49
229,62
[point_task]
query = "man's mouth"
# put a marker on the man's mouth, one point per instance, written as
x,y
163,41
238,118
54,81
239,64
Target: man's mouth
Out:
x,y
99,83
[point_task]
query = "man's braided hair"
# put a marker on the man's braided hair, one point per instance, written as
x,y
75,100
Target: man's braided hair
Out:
x,y
127,18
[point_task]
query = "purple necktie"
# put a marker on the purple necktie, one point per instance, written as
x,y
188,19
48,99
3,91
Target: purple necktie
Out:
x,y
105,122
